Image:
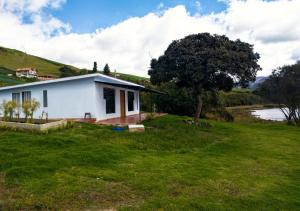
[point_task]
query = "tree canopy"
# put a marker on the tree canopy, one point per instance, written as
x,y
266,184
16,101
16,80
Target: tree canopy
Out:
x,y
106,70
283,88
95,68
204,62
66,71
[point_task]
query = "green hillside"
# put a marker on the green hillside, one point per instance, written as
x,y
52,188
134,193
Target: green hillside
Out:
x,y
13,59
6,80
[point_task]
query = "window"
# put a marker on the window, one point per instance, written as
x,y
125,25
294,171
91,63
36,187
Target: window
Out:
x,y
26,96
109,96
130,101
16,98
45,98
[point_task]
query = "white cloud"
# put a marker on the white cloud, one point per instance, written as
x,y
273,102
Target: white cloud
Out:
x,y
272,26
28,6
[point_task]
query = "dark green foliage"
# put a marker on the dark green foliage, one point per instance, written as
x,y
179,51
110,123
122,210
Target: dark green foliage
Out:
x,y
66,71
133,78
205,62
95,68
6,80
181,102
283,88
176,101
4,70
239,98
83,72
220,114
106,70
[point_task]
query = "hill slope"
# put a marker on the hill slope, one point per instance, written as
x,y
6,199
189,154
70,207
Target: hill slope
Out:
x,y
7,80
13,59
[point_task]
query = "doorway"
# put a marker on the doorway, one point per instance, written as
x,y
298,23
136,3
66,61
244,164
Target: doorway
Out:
x,y
122,103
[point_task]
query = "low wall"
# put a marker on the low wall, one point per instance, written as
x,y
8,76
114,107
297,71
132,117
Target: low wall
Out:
x,y
36,127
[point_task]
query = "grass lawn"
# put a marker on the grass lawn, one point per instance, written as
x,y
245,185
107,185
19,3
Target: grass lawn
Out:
x,y
172,166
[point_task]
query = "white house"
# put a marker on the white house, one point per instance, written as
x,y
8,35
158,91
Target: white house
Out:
x,y
28,72
101,96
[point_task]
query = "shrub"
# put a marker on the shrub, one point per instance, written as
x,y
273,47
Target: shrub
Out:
x,y
29,107
149,116
34,106
26,109
8,108
220,114
4,110
239,98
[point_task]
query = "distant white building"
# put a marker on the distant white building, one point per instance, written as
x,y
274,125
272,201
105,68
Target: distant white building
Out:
x,y
101,96
27,72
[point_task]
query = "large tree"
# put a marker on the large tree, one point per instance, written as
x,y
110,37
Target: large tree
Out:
x,y
205,62
283,88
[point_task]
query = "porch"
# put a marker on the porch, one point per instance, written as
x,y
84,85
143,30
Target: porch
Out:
x,y
128,120
123,121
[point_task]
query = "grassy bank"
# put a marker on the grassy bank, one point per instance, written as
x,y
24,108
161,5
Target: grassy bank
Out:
x,y
174,166
13,59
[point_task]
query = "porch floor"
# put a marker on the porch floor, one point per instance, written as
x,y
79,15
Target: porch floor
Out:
x,y
128,120
124,121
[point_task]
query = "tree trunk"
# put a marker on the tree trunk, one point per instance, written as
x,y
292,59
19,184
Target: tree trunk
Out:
x,y
198,108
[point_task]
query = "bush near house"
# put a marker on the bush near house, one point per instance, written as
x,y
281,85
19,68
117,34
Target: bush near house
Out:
x,y
240,97
10,110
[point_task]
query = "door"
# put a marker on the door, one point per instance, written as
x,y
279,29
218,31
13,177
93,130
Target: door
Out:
x,y
122,103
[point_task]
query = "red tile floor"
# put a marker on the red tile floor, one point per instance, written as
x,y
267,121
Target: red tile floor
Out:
x,y
122,121
129,120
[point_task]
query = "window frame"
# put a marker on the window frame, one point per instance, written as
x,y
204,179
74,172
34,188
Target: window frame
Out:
x,y
45,98
109,95
26,96
130,101
16,99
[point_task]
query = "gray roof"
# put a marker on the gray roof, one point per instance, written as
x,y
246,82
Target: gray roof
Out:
x,y
98,78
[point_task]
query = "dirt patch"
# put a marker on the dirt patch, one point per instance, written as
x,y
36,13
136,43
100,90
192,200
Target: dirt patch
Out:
x,y
176,189
113,195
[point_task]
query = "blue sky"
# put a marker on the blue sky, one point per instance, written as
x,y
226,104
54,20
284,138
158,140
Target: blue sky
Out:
x,y
66,30
87,15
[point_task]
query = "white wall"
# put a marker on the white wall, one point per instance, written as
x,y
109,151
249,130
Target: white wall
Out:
x,y
69,99
101,114
72,99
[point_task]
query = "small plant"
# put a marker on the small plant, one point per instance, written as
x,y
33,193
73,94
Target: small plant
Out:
x,y
11,108
8,108
26,109
33,108
4,110
29,107
150,116
44,115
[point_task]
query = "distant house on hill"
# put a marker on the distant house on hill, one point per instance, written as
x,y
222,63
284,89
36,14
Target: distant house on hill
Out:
x,y
27,72
46,77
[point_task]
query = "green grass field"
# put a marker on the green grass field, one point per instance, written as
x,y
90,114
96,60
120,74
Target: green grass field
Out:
x,y
172,166
6,80
13,59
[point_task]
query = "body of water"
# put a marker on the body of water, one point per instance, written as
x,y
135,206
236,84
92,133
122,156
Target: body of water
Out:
x,y
274,114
